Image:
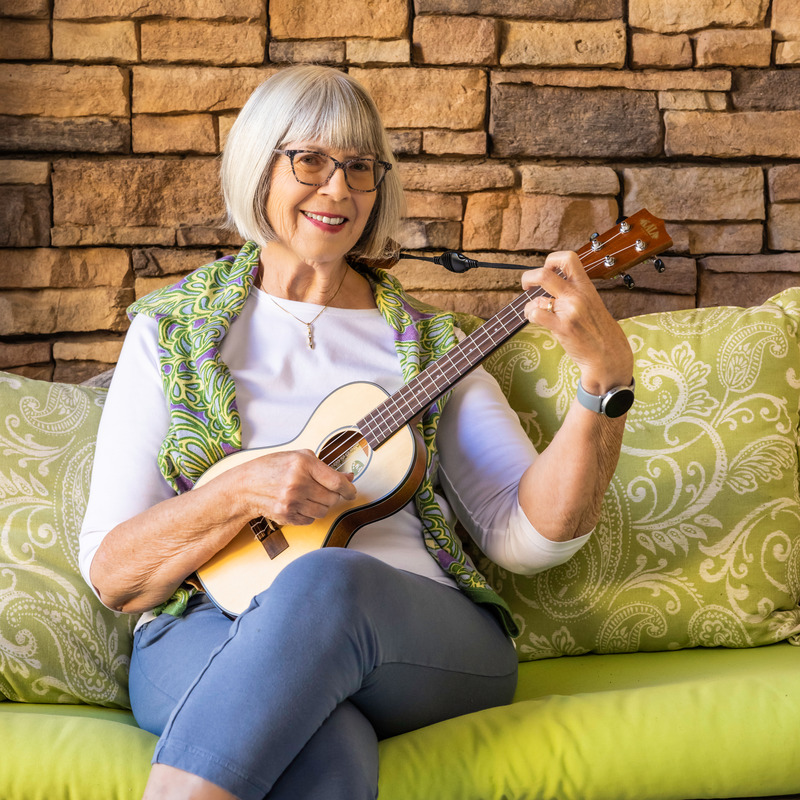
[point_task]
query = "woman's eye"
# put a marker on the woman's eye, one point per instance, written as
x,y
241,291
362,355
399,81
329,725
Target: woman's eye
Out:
x,y
360,166
311,160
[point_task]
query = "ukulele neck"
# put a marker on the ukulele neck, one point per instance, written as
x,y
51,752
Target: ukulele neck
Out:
x,y
424,389
632,241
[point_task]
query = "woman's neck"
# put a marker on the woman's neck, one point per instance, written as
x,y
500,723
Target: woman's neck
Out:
x,y
334,284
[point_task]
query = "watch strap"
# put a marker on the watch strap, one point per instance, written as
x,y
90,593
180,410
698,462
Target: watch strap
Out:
x,y
614,403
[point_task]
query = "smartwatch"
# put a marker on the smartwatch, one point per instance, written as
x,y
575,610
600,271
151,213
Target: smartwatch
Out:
x,y
614,403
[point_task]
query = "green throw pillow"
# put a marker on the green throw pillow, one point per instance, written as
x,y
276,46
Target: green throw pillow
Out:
x,y
58,643
699,539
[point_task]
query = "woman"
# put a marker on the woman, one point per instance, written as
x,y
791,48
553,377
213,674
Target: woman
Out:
x,y
398,630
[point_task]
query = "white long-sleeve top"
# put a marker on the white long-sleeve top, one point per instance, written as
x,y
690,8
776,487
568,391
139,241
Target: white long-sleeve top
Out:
x,y
279,383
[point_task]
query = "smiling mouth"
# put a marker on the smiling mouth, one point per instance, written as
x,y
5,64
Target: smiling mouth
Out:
x,y
323,218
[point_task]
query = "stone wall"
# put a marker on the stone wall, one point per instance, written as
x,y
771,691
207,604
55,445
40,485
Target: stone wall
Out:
x,y
520,125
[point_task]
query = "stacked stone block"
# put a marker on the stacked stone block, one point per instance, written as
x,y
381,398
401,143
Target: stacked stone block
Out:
x,y
520,127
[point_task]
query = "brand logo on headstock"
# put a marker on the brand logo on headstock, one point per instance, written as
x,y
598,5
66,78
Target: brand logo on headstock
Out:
x,y
649,228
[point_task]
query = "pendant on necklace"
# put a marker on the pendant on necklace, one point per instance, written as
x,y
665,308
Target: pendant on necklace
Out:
x,y
310,336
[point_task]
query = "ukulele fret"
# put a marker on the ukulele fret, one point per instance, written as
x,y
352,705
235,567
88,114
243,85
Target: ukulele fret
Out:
x,y
422,390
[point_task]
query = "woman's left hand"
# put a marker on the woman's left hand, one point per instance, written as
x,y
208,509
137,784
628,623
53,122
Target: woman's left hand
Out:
x,y
577,317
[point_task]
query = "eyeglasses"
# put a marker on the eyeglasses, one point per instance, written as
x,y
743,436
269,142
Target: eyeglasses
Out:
x,y
316,169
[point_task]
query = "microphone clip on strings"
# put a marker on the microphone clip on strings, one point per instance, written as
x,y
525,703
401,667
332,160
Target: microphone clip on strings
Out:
x,y
458,262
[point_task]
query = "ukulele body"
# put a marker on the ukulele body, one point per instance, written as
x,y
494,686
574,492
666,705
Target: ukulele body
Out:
x,y
386,479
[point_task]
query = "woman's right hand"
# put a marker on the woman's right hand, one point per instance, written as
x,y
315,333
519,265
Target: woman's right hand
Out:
x,y
141,561
291,488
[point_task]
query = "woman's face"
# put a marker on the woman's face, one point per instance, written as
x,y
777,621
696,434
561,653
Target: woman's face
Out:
x,y
317,224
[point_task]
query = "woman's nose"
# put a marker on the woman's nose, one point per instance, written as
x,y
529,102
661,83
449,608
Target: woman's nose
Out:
x,y
337,184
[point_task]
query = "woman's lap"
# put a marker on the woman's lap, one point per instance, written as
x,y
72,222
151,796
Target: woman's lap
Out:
x,y
336,627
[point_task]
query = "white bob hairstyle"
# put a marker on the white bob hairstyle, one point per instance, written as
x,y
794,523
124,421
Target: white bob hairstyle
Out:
x,y
301,103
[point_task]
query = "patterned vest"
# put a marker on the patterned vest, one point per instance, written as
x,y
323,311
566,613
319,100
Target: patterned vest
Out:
x,y
194,315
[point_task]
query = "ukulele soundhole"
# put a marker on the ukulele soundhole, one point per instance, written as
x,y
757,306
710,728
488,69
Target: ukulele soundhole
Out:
x,y
346,451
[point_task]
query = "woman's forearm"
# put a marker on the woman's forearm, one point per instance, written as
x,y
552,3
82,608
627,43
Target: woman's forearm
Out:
x,y
141,562
562,491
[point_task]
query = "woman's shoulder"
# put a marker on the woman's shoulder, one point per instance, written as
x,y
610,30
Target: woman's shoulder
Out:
x,y
218,286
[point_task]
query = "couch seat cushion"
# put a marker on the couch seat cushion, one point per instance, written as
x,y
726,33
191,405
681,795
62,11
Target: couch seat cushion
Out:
x,y
710,723
662,726
72,752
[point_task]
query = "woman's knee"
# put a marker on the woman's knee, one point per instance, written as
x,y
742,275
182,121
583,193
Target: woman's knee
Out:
x,y
332,576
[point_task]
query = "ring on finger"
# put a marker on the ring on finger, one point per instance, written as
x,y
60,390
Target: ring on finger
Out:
x,y
550,304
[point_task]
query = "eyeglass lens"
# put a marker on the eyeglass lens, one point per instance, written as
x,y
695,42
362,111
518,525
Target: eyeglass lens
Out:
x,y
361,174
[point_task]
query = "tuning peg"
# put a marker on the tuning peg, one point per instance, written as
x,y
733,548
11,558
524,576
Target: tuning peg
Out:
x,y
595,241
628,281
659,265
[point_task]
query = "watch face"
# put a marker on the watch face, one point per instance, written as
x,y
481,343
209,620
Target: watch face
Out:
x,y
617,403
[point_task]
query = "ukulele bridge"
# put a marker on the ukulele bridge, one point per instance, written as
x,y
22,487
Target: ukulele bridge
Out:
x,y
270,535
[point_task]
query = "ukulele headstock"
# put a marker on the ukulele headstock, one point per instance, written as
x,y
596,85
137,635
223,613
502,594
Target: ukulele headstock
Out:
x,y
629,242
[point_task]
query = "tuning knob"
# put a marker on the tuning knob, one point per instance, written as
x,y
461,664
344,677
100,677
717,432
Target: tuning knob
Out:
x,y
628,281
659,265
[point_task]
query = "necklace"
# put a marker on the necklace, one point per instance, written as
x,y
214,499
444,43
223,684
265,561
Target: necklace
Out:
x,y
310,324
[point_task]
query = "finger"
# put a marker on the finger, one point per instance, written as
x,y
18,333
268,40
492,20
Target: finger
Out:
x,y
550,281
295,487
567,263
300,509
338,483
559,269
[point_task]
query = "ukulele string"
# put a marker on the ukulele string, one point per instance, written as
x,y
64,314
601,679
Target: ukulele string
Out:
x,y
479,337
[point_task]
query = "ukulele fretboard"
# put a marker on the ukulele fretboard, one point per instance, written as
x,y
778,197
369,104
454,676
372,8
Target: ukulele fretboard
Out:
x,y
399,409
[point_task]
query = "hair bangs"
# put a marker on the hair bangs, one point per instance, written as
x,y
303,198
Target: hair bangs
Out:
x,y
337,117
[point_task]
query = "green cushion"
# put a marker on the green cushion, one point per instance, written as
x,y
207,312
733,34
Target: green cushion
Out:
x,y
667,726
699,539
662,726
53,752
58,643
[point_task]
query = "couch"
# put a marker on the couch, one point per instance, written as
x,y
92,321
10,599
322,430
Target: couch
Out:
x,y
661,662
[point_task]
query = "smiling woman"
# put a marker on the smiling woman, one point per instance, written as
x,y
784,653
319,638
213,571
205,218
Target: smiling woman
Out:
x,y
315,226
247,383
306,104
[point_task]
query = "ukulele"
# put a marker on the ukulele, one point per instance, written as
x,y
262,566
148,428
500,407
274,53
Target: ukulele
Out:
x,y
359,428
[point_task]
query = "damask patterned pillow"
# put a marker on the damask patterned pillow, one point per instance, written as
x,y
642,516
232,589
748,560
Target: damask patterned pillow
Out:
x,y
699,540
58,643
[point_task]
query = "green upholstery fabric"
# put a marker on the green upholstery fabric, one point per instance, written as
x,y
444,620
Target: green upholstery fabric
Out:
x,y
699,539
57,752
663,726
58,643
698,545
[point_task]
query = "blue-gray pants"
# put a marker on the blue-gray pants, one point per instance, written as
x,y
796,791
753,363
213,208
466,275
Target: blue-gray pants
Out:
x,y
290,699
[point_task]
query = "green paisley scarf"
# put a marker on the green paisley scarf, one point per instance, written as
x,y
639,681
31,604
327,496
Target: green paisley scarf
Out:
x,y
194,315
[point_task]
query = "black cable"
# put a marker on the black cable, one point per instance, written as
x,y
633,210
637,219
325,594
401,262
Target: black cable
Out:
x,y
458,262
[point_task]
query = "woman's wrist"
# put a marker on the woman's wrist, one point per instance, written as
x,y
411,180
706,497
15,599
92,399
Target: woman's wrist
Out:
x,y
600,382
